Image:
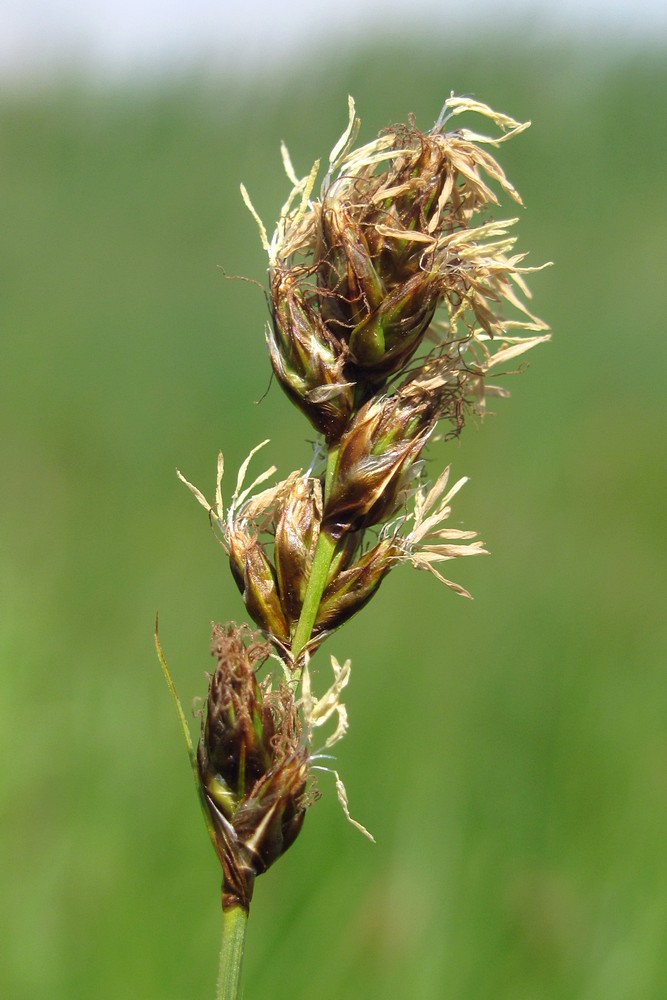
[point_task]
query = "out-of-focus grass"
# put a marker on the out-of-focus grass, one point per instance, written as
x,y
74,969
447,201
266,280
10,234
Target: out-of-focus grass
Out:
x,y
510,753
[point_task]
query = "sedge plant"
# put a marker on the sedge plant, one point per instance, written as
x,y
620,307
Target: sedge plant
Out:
x,y
395,300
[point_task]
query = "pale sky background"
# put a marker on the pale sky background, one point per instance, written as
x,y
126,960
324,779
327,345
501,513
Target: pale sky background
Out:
x,y
114,38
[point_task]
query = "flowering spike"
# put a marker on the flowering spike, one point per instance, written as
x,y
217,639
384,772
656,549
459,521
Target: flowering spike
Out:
x,y
252,763
394,295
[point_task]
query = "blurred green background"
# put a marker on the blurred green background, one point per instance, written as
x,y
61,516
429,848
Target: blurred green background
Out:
x,y
509,753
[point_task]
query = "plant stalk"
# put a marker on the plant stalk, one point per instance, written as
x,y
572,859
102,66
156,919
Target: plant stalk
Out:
x,y
234,924
324,553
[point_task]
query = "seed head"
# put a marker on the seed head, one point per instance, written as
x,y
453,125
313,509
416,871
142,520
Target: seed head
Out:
x,y
389,299
252,762
391,256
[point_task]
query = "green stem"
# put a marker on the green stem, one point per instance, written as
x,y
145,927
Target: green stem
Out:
x,y
332,461
234,923
324,553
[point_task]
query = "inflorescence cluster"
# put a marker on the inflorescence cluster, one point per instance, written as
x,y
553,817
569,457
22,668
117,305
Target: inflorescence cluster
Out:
x,y
394,301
